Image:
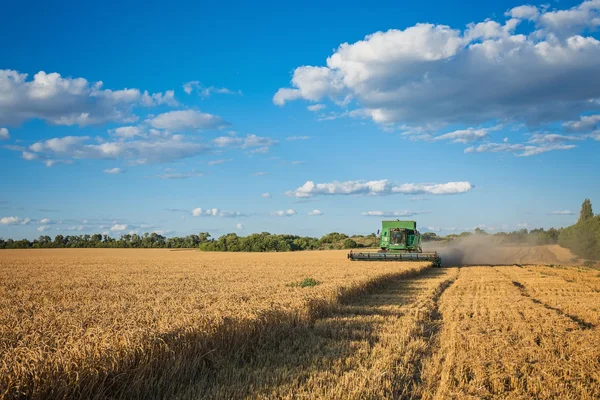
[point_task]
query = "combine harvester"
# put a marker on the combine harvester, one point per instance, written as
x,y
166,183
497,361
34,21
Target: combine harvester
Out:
x,y
399,241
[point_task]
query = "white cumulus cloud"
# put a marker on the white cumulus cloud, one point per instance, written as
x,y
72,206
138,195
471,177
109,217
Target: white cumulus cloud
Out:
x,y
4,134
43,228
240,226
205,91
14,221
127,132
519,149
113,171
315,213
153,149
215,212
266,195
252,143
10,220
392,214
69,101
316,107
284,213
381,187
584,123
118,228
182,120
486,71
465,135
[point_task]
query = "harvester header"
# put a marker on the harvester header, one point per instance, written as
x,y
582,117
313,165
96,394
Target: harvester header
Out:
x,y
398,241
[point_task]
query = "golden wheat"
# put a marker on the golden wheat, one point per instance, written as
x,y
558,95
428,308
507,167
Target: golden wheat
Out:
x,y
187,325
141,323
498,341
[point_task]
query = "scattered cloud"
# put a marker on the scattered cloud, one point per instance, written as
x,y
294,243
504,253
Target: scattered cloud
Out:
x,y
316,107
297,138
43,228
14,221
240,226
266,195
206,91
430,73
140,151
45,221
4,135
226,141
261,173
392,214
282,213
315,213
70,101
562,212
185,120
118,228
551,138
215,212
179,175
252,143
584,123
217,162
176,210
521,150
466,135
258,141
381,187
114,171
127,132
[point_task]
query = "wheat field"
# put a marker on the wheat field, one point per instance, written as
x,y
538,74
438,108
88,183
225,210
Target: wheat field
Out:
x,y
94,323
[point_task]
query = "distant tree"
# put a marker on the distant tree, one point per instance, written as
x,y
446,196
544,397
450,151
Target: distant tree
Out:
x,y
479,231
429,236
332,237
59,241
586,211
203,236
350,244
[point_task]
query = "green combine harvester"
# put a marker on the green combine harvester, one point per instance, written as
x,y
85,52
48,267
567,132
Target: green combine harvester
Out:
x,y
399,241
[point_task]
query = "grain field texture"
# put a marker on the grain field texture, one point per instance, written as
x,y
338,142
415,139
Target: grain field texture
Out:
x,y
186,325
144,323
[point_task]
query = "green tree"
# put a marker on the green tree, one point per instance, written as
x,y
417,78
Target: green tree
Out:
x,y
429,236
350,244
586,211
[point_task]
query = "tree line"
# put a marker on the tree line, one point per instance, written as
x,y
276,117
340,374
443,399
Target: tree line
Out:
x,y
257,242
583,238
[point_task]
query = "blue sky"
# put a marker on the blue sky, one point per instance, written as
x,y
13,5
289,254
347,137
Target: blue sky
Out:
x,y
178,119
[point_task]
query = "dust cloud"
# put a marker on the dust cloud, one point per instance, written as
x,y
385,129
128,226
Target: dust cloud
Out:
x,y
483,250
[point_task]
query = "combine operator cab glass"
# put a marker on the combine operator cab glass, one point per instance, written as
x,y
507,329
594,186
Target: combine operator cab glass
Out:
x,y
397,237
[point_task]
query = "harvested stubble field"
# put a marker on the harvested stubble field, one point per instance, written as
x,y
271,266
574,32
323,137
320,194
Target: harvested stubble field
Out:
x,y
185,324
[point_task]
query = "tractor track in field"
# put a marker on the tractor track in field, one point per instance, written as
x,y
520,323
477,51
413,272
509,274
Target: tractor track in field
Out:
x,y
579,321
383,339
431,328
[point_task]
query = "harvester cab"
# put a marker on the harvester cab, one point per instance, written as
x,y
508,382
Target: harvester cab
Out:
x,y
398,241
